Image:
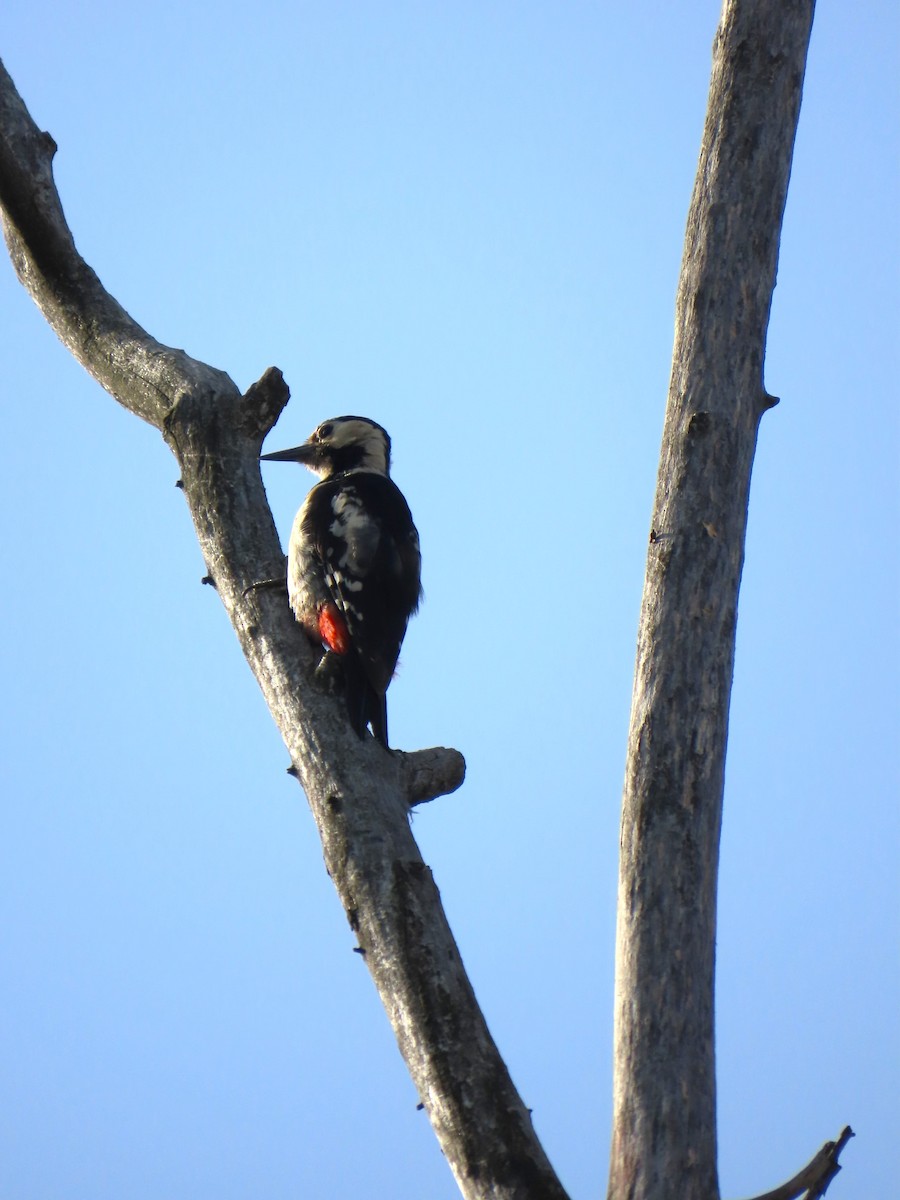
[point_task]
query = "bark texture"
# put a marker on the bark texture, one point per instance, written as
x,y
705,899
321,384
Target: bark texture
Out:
x,y
359,794
664,1119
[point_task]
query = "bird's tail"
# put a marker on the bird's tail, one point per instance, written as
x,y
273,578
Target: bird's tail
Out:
x,y
365,705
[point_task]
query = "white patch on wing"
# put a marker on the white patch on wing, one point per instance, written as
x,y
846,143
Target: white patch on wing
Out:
x,y
356,535
341,581
353,528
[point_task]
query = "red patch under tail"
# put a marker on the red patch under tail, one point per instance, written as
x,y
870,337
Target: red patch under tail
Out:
x,y
333,629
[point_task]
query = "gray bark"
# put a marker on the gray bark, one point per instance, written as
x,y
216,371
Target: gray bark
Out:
x,y
664,1118
359,794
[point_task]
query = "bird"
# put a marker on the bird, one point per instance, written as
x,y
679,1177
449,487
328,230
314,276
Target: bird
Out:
x,y
354,563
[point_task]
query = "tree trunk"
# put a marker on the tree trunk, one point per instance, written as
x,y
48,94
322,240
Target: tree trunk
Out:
x,y
664,1114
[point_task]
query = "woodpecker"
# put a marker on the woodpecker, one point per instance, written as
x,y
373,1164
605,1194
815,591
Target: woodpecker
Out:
x,y
354,564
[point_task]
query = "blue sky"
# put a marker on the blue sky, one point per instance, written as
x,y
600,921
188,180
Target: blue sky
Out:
x,y
465,221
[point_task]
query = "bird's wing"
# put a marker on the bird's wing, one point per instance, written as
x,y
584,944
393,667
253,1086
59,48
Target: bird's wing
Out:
x,y
371,568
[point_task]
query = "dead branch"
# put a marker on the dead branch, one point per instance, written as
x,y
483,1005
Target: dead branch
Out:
x,y
664,1117
816,1175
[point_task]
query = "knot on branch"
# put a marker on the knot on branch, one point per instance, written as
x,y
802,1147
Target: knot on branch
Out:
x,y
427,774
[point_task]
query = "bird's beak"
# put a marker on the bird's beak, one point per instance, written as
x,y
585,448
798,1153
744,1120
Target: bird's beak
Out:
x,y
301,454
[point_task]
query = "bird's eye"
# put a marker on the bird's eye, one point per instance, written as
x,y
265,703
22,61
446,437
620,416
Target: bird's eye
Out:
x,y
324,431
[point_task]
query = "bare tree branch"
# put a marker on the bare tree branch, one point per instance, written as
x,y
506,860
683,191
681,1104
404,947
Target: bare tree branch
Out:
x,y
816,1175
664,1120
359,794
141,373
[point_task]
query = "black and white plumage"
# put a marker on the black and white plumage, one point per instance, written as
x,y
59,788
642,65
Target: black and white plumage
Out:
x,y
353,560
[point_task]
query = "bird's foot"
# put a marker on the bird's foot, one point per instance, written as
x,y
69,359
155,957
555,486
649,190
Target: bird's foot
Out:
x,y
329,674
265,584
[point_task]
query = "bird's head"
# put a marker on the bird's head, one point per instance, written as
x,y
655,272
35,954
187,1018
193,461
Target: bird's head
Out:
x,y
341,444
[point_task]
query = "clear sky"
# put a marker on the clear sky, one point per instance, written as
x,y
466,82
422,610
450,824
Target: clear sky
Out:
x,y
464,220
